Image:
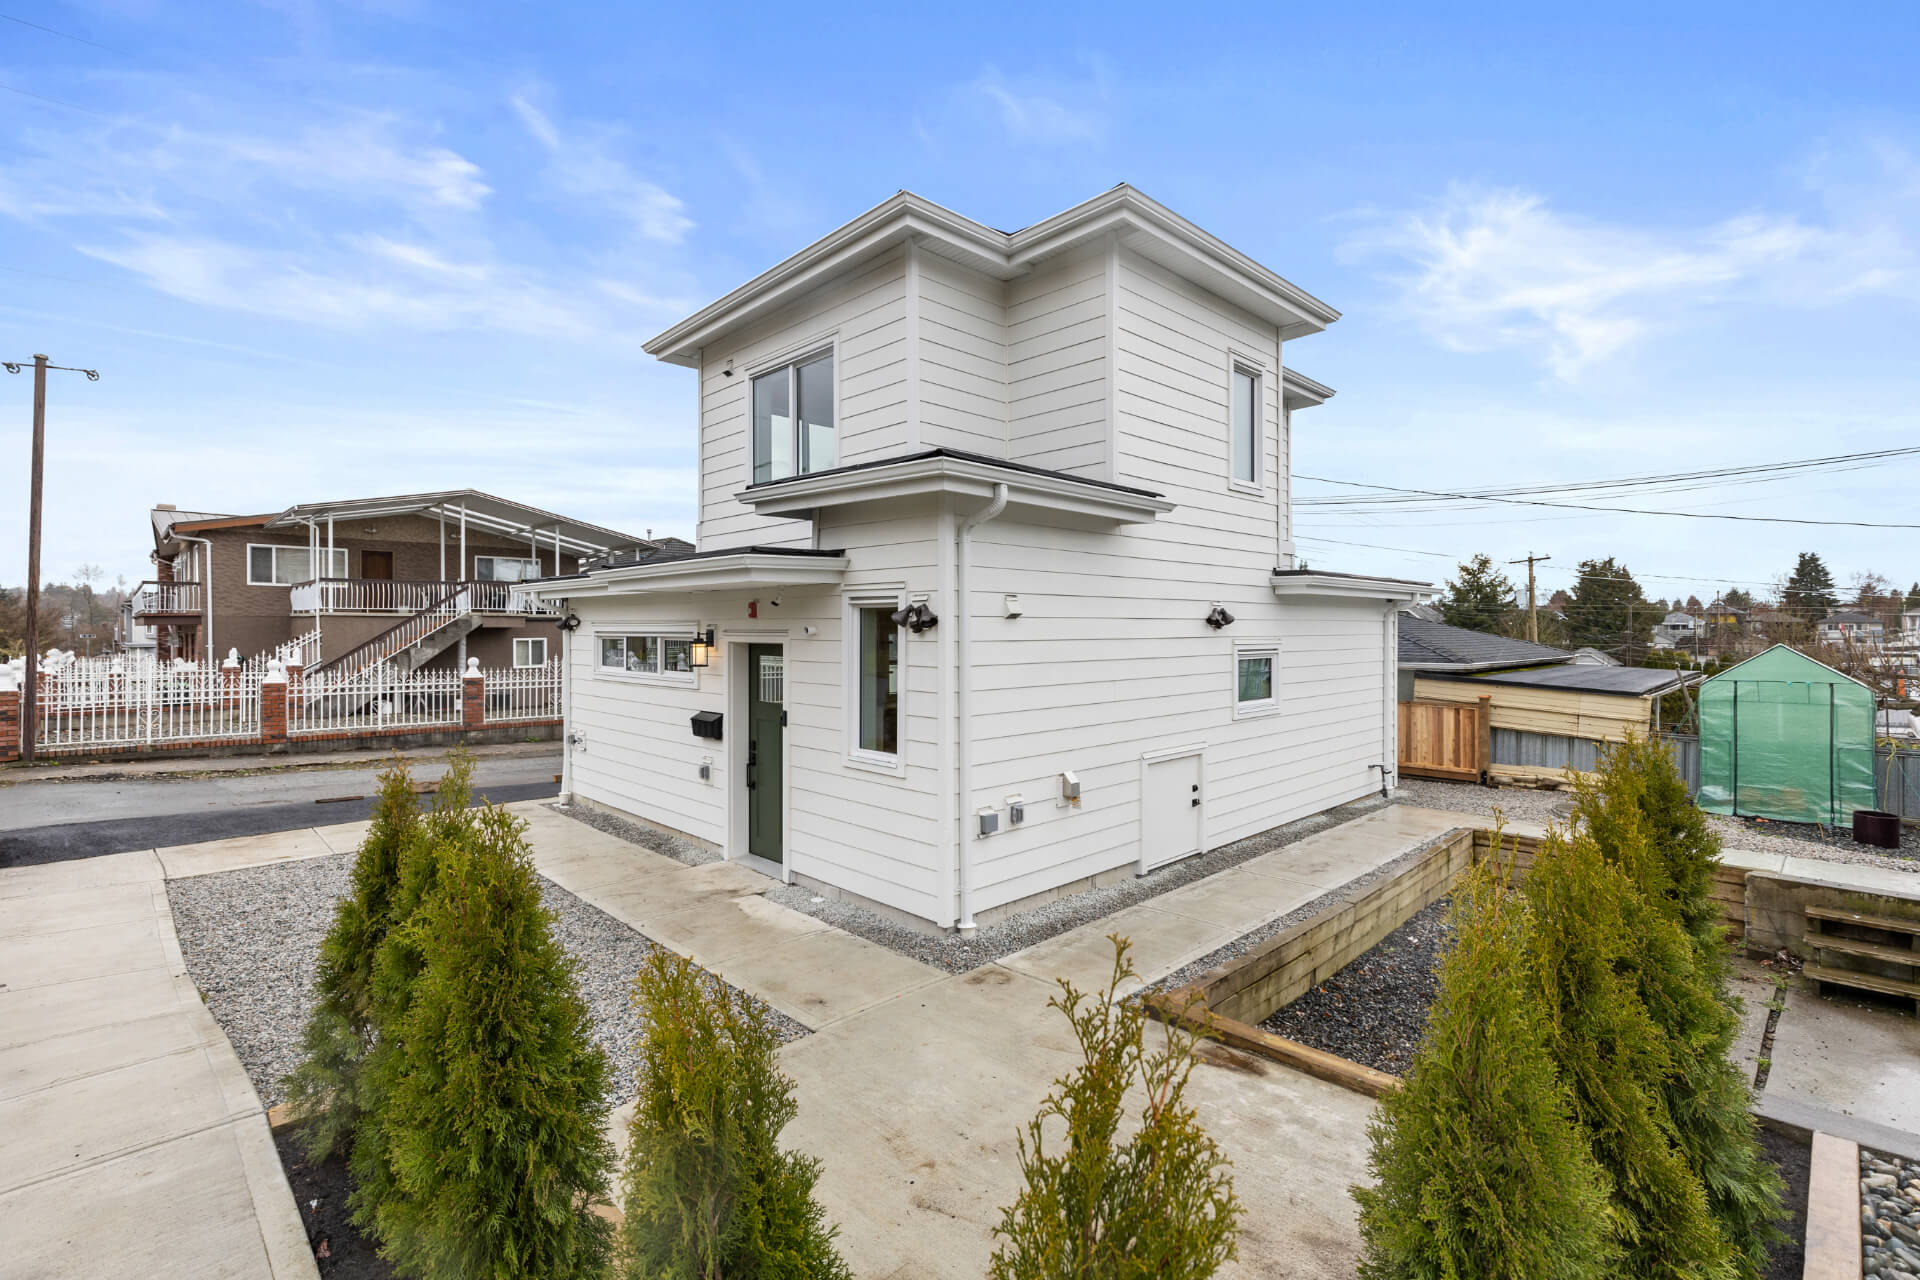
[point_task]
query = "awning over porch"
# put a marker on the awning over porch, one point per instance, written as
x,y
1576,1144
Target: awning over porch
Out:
x,y
675,570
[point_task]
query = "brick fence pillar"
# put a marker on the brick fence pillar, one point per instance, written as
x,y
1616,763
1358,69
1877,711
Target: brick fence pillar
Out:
x,y
9,715
273,705
473,696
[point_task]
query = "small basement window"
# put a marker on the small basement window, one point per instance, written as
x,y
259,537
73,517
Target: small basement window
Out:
x,y
1255,672
668,657
530,651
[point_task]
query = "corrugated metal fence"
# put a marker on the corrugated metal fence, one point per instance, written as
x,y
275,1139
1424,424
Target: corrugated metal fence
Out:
x,y
1896,773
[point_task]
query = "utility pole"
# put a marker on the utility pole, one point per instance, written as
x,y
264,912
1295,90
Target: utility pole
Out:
x,y
1533,618
30,695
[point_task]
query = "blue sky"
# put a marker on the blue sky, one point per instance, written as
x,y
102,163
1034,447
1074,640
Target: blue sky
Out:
x,y
325,250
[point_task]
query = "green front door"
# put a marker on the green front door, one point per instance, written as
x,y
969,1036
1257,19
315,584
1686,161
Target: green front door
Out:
x,y
766,731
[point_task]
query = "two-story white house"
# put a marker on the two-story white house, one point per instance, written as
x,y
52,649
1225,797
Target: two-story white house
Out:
x,y
995,594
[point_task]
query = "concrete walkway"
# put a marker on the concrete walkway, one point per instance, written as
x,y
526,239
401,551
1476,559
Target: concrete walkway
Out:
x,y
133,1144
916,1083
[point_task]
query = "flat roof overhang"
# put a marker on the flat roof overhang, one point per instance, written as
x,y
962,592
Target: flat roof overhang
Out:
x,y
1033,495
481,511
1315,584
746,569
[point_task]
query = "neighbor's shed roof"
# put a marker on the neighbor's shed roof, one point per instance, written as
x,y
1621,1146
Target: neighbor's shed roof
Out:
x,y
1637,682
1435,647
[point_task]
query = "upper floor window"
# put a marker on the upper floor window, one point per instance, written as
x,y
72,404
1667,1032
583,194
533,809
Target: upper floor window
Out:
x,y
270,566
504,569
1246,426
793,427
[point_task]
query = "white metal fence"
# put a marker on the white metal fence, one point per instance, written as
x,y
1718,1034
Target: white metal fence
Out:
x,y
372,700
82,707
523,693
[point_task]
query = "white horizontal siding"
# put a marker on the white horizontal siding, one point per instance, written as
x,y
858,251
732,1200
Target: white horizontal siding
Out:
x,y
1057,365
865,315
962,369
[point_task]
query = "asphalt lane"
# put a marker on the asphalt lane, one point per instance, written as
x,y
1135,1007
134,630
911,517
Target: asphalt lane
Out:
x,y
65,841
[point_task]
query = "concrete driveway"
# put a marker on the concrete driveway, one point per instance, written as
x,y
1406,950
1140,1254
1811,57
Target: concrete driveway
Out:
x,y
133,1145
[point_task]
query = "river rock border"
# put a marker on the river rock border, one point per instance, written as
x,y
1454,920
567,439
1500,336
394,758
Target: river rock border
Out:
x,y
1889,1216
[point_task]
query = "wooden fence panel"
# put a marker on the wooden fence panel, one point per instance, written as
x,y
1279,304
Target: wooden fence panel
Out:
x,y
1446,739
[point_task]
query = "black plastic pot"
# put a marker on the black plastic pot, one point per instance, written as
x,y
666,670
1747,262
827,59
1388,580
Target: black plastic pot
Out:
x,y
1876,827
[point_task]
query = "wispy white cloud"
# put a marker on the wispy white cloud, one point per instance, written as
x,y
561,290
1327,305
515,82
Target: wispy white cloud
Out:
x,y
583,164
1482,269
1047,110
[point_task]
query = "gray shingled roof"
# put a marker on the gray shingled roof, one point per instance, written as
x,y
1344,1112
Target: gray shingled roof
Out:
x,y
1435,646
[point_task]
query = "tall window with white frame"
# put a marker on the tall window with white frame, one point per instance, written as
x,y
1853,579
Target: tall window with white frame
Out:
x,y
1246,426
793,422
878,694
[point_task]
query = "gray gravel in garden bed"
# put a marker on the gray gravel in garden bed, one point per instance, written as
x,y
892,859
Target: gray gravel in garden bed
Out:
x,y
251,939
650,838
1522,804
995,941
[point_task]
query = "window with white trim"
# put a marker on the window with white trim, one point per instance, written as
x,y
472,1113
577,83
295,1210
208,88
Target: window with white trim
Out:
x,y
529,651
1245,425
875,654
793,419
1256,675
272,566
504,569
668,657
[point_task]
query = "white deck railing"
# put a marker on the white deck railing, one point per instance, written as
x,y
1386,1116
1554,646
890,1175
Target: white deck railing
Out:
x,y
381,595
166,597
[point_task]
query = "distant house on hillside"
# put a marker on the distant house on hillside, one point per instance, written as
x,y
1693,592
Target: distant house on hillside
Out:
x,y
1675,631
1722,614
1846,626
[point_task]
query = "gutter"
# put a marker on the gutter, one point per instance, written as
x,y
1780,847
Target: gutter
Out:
x,y
963,681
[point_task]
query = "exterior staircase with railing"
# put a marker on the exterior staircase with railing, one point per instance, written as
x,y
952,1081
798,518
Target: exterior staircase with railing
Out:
x,y
443,620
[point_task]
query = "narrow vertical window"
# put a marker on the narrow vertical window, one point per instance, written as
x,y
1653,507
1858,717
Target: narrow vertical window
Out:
x,y
1246,427
879,680
772,426
814,394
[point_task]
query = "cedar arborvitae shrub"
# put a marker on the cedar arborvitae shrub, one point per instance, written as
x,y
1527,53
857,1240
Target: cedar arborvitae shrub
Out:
x,y
322,1090
1481,1170
1635,812
396,967
1160,1203
1596,945
493,1122
707,1192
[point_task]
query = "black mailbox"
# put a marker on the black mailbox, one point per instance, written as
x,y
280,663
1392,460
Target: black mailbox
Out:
x,y
706,724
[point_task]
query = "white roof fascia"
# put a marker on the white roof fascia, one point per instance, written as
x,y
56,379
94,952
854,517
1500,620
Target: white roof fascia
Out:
x,y
1334,586
1163,234
713,573
1301,392
922,477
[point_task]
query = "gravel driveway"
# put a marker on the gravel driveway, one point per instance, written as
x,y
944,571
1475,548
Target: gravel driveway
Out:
x,y
251,939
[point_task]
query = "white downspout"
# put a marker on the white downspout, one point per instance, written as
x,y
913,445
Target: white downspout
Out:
x,y
206,589
963,682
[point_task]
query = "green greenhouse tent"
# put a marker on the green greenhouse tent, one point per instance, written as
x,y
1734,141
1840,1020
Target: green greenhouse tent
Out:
x,y
1788,738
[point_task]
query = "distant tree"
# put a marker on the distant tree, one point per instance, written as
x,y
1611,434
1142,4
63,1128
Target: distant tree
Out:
x,y
1478,597
1662,607
1694,605
1913,596
1808,592
1608,610
1559,601
1735,598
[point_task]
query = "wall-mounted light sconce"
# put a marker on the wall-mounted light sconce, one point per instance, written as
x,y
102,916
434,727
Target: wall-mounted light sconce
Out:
x,y
1219,618
915,618
702,647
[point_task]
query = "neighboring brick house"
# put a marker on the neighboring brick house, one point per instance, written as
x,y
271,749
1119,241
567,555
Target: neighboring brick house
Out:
x,y
416,580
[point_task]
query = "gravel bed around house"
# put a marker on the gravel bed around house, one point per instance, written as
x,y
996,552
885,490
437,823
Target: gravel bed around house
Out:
x,y
676,847
1374,1011
1889,1216
992,942
1794,1160
1523,804
251,939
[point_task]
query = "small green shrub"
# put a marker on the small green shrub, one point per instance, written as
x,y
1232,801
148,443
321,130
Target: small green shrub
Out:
x,y
1480,1168
708,1194
322,1091
1160,1204
492,1117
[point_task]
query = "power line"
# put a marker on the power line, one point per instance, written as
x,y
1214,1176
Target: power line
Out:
x,y
64,35
25,93
1628,511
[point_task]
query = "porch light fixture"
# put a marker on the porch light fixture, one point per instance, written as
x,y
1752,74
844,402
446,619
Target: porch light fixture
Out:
x,y
703,647
1219,618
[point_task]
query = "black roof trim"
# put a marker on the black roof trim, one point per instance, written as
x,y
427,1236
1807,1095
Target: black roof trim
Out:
x,y
958,455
